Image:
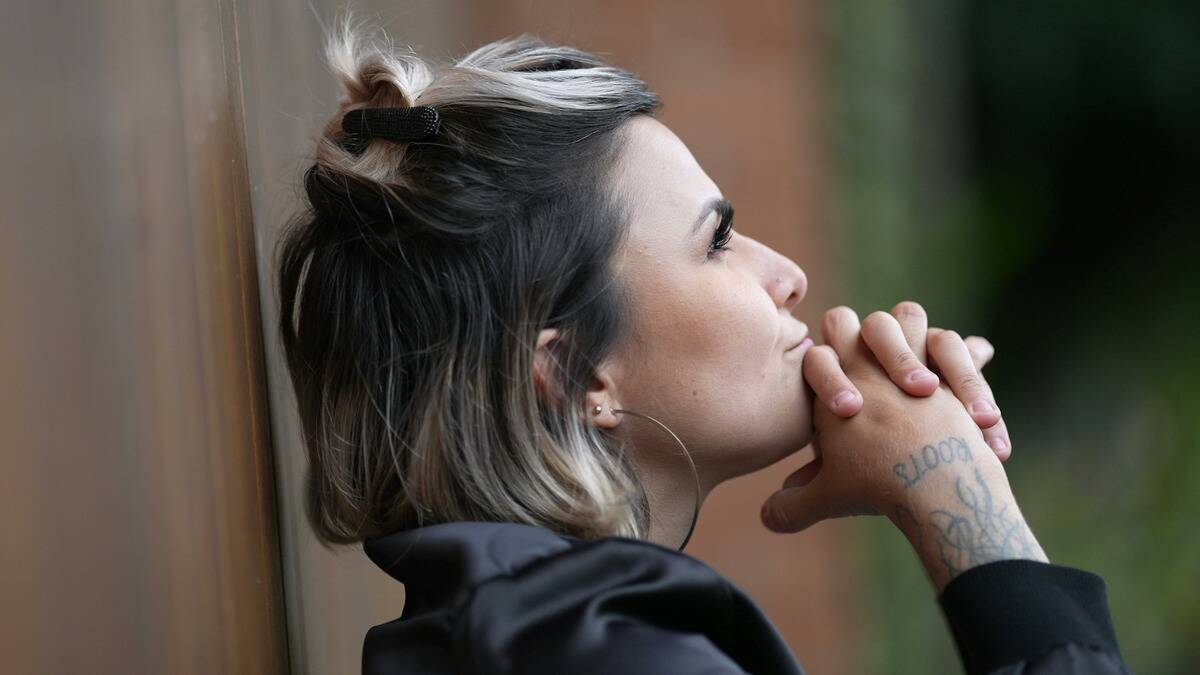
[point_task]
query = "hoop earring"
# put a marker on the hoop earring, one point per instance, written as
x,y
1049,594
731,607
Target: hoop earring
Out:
x,y
695,474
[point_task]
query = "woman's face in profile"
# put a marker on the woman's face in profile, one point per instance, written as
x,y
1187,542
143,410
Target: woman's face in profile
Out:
x,y
711,328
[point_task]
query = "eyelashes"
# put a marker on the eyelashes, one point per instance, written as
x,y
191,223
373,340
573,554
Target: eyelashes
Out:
x,y
722,235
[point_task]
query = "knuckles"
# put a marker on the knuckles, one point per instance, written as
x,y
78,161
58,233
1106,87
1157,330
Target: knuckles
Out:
x,y
877,320
970,383
905,360
875,329
838,317
944,339
908,308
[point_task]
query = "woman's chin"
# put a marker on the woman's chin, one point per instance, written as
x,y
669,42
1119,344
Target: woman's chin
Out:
x,y
800,437
788,439
777,452
796,445
803,431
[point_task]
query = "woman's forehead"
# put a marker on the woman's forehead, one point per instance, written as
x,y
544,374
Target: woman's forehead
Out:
x,y
658,176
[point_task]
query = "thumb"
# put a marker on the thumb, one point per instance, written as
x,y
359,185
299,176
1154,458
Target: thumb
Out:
x,y
794,509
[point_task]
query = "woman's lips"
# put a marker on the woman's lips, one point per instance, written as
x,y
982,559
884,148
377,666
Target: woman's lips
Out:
x,y
799,350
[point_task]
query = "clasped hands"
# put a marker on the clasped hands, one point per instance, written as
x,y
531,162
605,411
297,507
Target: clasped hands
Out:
x,y
921,361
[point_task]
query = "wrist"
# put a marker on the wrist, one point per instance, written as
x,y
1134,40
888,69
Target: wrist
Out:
x,y
956,509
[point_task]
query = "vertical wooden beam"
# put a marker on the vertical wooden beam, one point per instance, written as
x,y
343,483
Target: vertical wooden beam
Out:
x,y
141,493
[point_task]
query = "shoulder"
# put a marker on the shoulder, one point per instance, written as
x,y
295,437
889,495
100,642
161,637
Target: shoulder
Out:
x,y
616,574
509,598
615,605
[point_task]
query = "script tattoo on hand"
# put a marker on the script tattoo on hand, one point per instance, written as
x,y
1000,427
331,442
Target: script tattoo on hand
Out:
x,y
945,452
978,532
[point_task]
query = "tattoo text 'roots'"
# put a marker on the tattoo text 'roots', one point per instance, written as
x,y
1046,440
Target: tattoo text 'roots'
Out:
x,y
931,457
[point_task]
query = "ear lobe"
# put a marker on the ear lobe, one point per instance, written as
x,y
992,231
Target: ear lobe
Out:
x,y
602,392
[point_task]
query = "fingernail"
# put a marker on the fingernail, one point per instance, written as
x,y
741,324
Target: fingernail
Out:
x,y
998,444
920,376
765,516
843,399
982,407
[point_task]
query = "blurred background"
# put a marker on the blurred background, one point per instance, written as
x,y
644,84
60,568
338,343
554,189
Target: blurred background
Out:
x,y
1025,170
1028,171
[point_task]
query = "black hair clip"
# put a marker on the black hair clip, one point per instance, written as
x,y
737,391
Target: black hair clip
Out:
x,y
395,124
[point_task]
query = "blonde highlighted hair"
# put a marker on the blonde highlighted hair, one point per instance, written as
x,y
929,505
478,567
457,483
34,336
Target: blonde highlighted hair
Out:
x,y
415,282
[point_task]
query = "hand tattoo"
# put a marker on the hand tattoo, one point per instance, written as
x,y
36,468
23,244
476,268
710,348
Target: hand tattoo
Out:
x,y
931,457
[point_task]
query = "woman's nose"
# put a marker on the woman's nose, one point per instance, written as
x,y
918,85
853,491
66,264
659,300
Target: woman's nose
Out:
x,y
789,286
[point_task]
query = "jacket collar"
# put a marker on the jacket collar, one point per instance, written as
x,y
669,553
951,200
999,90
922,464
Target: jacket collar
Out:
x,y
440,564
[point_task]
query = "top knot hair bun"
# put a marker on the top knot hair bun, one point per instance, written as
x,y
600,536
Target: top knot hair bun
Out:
x,y
401,125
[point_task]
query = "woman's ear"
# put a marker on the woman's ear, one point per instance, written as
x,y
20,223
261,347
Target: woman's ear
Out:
x,y
601,389
602,392
545,365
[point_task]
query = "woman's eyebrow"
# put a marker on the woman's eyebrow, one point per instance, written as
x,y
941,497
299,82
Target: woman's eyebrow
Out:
x,y
718,204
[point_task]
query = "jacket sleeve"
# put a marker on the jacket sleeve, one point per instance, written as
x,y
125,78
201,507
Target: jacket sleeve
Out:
x,y
1026,617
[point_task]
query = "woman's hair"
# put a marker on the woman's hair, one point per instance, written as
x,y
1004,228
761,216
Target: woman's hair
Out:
x,y
415,282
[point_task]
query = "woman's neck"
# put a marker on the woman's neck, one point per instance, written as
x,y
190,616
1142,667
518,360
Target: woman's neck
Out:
x,y
671,495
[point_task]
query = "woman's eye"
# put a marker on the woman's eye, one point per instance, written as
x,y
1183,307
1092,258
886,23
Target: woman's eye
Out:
x,y
720,240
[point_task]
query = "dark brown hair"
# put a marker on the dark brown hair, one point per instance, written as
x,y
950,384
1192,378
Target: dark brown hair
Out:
x,y
414,283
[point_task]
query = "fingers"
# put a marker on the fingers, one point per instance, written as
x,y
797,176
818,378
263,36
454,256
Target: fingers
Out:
x,y
885,337
805,474
793,509
823,372
995,433
915,324
981,350
839,329
949,352
996,437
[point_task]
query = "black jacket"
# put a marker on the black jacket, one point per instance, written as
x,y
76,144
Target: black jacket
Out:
x,y
505,598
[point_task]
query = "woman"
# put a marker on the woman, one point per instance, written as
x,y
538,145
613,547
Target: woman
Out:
x,y
526,343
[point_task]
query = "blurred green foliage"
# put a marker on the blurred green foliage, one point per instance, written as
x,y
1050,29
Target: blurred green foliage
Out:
x,y
1028,171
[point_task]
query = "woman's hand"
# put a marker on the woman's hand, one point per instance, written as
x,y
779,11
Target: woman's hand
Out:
x,y
903,343
921,461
